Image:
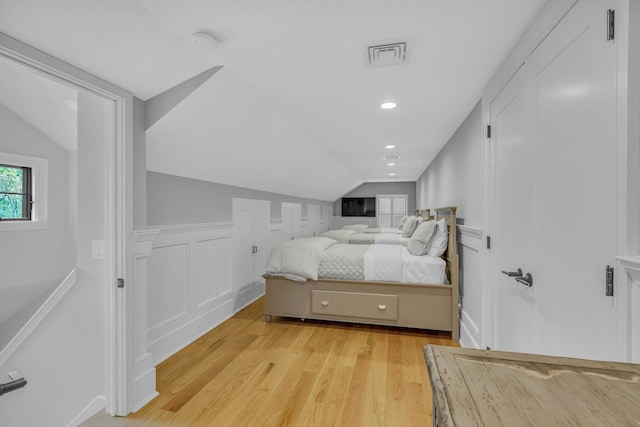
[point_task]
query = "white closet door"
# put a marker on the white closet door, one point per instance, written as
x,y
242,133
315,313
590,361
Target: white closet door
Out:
x,y
242,246
261,220
554,198
513,222
573,91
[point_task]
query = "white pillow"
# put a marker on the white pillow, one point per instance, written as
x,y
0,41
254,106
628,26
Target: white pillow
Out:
x,y
357,227
409,226
419,242
438,244
402,221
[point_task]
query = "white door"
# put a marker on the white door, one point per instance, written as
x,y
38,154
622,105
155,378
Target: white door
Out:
x,y
562,179
573,94
513,221
251,219
261,221
242,245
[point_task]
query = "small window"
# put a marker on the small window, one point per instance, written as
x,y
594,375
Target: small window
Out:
x,y
16,196
23,192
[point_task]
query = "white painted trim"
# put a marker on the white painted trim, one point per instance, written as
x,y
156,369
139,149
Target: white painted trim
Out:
x,y
469,333
96,405
191,228
39,316
474,232
548,19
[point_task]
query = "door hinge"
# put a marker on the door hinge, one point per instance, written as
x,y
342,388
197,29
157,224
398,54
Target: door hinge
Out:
x,y
488,131
488,242
609,291
254,249
611,24
121,283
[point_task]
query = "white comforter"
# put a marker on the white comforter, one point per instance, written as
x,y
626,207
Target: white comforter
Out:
x,y
298,259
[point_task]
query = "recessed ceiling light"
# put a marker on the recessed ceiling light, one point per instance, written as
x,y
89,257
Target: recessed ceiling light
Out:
x,y
392,174
71,104
388,105
390,157
389,147
204,40
391,164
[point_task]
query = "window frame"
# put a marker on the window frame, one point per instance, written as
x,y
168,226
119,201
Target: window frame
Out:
x,y
38,191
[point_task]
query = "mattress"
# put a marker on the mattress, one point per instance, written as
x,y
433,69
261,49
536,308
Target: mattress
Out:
x,y
321,257
391,263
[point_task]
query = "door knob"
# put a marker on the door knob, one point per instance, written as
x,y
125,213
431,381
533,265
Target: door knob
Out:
x,y
526,280
513,273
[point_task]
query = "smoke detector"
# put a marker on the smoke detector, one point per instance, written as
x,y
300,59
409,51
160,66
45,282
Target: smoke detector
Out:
x,y
204,40
385,53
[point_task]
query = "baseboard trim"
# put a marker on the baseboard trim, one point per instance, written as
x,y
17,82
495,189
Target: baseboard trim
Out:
x,y
469,332
98,404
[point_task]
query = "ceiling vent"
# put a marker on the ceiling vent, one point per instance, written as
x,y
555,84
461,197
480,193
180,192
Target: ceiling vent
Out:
x,y
390,52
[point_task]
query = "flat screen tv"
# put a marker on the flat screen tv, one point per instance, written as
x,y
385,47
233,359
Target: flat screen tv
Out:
x,y
358,206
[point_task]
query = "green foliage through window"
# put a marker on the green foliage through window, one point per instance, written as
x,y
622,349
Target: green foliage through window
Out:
x,y
15,192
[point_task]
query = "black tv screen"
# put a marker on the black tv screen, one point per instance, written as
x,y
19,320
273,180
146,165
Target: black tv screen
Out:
x,y
358,206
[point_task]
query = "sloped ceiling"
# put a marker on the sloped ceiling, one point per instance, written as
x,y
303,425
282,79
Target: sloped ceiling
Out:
x,y
40,102
227,133
301,58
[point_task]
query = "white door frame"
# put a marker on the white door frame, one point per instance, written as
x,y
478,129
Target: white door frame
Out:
x,y
118,216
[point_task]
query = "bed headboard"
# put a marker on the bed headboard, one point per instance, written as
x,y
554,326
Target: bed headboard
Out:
x,y
424,213
451,257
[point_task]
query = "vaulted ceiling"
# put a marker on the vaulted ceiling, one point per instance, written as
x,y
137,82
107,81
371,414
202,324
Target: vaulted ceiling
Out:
x,y
295,108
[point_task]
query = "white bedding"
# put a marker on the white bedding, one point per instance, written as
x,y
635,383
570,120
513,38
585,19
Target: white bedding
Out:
x,y
383,262
300,259
391,239
392,230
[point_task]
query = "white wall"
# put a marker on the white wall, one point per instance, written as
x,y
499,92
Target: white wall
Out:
x,y
454,178
34,256
63,361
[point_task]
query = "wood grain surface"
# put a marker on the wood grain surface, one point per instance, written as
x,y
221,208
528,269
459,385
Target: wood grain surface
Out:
x,y
247,372
492,388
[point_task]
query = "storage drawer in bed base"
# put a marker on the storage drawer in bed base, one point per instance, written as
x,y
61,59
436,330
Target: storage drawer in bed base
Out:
x,y
355,304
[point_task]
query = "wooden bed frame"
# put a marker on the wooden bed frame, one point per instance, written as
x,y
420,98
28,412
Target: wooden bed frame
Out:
x,y
423,306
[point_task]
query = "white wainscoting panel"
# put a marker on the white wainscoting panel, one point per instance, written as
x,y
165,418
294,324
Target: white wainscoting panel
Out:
x,y
143,369
167,290
190,285
471,285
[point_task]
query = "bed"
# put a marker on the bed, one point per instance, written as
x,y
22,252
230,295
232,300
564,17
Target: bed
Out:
x,y
366,238
363,235
381,302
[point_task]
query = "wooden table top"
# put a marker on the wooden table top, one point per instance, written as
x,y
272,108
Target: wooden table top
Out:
x,y
493,388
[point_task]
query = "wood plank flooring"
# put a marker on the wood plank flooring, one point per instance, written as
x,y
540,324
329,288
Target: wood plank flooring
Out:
x,y
247,372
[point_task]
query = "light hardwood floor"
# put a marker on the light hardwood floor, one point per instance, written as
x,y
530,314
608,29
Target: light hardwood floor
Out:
x,y
247,372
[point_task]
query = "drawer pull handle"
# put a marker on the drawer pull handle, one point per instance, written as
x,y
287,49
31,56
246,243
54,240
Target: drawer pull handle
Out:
x,y
382,307
324,303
